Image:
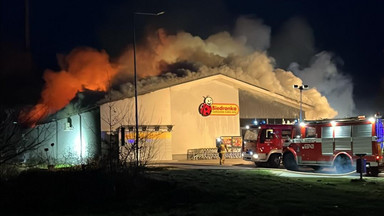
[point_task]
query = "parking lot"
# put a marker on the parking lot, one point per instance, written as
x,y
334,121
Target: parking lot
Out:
x,y
241,164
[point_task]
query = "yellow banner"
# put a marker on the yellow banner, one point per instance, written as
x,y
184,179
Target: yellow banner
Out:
x,y
225,109
148,135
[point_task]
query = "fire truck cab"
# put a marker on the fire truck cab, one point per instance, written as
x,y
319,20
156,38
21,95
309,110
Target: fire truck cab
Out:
x,y
263,144
336,143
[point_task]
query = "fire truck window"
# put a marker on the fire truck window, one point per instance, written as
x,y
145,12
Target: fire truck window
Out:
x,y
296,132
310,132
250,135
285,133
262,136
269,134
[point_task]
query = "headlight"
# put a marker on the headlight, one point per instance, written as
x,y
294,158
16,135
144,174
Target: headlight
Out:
x,y
255,156
251,152
242,154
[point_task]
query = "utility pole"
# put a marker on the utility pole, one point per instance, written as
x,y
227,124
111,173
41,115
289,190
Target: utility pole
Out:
x,y
135,81
301,88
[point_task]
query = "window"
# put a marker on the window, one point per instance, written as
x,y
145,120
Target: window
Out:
x,y
269,133
250,135
286,134
310,132
262,136
266,134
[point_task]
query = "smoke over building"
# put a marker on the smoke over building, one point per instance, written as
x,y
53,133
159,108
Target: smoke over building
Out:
x,y
171,68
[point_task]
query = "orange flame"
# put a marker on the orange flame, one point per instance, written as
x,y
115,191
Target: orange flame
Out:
x,y
87,69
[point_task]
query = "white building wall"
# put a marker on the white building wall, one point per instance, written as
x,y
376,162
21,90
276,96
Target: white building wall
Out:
x,y
192,130
68,145
153,109
254,105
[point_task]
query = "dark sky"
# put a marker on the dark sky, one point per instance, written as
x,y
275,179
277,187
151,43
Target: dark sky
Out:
x,y
352,30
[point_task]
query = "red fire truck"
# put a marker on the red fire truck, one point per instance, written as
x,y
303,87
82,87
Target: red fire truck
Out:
x,y
264,144
322,143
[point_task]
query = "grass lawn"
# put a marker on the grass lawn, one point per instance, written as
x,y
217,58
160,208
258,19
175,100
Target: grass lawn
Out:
x,y
187,192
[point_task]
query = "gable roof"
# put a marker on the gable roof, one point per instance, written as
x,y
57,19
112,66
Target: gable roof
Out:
x,y
237,83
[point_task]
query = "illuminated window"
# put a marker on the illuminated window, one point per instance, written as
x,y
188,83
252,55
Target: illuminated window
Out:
x,y
68,125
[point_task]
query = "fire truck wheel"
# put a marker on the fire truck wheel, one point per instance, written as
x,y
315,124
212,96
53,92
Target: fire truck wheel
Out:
x,y
343,164
289,161
274,161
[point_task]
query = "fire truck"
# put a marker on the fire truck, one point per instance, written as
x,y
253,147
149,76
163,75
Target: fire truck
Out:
x,y
264,144
334,143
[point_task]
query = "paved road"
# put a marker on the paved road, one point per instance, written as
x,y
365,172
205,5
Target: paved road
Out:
x,y
206,164
241,164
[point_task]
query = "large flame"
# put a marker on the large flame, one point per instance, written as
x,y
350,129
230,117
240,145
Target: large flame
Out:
x,y
85,69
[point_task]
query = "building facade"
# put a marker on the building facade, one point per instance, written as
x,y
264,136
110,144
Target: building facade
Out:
x,y
174,120
198,112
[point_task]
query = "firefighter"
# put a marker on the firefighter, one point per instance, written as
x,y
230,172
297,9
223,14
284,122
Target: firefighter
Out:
x,y
222,149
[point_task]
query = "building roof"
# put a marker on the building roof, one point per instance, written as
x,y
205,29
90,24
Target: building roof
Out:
x,y
153,84
237,83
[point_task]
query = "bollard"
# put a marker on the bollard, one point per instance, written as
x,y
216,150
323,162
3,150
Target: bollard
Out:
x,y
361,165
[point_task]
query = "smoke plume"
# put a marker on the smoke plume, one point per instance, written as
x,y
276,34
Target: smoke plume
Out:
x,y
335,86
294,48
241,56
166,59
294,42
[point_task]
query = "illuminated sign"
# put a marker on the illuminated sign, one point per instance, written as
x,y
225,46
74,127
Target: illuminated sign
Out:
x,y
208,108
232,141
224,109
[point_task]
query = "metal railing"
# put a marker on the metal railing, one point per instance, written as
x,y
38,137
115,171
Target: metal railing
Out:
x,y
211,153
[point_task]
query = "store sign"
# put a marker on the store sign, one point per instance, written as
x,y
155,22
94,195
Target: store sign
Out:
x,y
224,109
208,108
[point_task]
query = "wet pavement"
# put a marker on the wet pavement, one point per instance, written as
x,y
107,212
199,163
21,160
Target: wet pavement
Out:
x,y
241,164
206,164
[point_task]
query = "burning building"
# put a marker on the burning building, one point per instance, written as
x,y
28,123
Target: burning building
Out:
x,y
183,116
190,92
197,112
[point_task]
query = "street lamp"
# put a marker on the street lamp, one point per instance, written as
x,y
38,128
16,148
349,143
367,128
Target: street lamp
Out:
x,y
301,88
135,80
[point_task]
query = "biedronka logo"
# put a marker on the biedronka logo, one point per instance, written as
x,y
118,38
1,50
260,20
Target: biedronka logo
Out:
x,y
208,108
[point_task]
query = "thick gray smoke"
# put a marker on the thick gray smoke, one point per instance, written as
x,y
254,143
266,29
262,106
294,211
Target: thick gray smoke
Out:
x,y
242,56
294,49
293,43
255,34
324,76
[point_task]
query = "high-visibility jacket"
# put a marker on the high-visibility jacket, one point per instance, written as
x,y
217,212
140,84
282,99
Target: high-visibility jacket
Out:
x,y
223,148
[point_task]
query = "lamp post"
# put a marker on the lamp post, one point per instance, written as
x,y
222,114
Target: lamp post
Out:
x,y
301,88
135,80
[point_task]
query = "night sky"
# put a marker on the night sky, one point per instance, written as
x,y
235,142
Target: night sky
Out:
x,y
353,31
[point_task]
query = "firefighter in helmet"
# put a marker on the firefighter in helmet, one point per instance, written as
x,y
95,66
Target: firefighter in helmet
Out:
x,y
222,150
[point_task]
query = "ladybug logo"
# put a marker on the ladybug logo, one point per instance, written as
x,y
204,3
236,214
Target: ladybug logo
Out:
x,y
205,108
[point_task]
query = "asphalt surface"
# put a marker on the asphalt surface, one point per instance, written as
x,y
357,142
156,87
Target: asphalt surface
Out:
x,y
206,164
241,164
